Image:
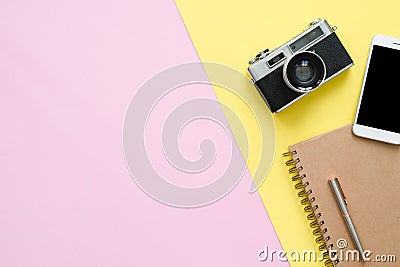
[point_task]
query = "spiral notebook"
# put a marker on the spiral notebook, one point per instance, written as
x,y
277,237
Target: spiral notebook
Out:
x,y
370,179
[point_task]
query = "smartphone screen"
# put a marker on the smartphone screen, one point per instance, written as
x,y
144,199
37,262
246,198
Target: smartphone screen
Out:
x,y
380,106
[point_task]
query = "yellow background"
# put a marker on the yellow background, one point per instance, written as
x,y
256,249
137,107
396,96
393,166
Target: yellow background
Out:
x,y
232,32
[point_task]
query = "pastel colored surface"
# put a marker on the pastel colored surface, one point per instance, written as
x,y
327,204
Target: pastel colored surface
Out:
x,y
232,32
68,70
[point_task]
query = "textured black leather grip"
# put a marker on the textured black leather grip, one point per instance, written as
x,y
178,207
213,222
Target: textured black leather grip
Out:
x,y
333,53
275,91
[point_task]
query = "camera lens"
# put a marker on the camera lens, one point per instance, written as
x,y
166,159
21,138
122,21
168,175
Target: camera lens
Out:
x,y
304,71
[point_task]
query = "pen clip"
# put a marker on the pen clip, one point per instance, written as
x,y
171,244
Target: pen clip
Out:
x,y
341,190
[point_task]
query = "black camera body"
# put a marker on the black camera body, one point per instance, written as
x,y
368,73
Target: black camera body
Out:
x,y
291,71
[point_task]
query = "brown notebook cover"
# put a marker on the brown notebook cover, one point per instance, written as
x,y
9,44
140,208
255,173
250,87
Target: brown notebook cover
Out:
x,y
369,175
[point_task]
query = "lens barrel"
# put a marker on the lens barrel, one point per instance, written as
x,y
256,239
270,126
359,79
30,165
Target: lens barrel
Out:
x,y
304,71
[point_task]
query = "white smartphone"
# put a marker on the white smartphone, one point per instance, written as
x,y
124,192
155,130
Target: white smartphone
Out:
x,y
378,111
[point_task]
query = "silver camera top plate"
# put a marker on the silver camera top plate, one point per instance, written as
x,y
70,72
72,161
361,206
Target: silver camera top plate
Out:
x,y
261,65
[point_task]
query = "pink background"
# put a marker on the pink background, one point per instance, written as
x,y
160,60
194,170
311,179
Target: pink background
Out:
x,y
68,70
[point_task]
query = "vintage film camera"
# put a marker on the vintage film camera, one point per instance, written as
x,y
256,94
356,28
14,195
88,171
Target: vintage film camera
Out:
x,y
289,72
